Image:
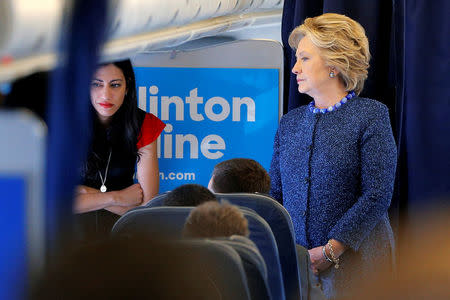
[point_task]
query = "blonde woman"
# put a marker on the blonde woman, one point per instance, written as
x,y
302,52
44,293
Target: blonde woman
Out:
x,y
334,160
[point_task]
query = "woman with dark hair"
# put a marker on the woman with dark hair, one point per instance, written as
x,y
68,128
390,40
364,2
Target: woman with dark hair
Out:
x,y
123,141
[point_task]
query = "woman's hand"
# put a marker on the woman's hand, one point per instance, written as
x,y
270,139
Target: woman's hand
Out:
x,y
130,196
318,262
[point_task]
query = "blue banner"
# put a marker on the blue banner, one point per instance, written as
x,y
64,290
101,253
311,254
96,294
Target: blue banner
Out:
x,y
212,114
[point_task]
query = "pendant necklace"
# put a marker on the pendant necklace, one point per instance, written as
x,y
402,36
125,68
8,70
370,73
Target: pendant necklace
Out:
x,y
103,187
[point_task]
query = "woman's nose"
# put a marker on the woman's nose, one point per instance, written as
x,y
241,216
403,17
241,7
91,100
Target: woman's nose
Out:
x,y
297,68
105,93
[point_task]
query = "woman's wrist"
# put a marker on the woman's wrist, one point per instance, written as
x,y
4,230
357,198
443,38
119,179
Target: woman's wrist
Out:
x,y
325,255
338,247
332,251
115,198
333,256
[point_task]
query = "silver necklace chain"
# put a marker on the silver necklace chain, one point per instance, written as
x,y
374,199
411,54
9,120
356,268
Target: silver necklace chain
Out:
x,y
103,187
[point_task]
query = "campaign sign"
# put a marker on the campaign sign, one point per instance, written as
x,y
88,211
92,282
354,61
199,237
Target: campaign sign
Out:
x,y
211,115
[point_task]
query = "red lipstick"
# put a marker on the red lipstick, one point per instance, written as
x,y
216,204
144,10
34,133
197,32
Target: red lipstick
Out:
x,y
106,104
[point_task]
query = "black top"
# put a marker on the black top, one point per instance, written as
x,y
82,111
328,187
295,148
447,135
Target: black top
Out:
x,y
121,170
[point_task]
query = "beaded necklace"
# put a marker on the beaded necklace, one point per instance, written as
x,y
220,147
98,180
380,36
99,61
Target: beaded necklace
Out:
x,y
344,100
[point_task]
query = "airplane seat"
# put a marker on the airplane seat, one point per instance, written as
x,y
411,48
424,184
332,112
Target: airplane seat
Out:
x,y
281,224
157,201
222,266
253,263
169,222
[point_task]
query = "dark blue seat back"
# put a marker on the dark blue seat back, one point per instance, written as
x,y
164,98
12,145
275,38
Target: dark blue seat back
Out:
x,y
281,224
166,221
253,263
163,221
262,236
169,221
222,266
157,201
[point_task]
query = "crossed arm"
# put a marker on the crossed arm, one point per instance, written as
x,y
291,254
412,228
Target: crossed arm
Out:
x,y
119,202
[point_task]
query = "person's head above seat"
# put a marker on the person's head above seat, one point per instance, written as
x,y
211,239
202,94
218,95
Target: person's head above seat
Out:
x,y
330,48
117,119
212,219
189,195
239,175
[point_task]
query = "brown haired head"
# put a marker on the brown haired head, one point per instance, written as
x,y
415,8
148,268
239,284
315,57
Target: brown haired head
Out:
x,y
212,219
240,175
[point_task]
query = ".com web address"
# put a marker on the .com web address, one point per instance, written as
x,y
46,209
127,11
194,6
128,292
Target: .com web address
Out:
x,y
176,176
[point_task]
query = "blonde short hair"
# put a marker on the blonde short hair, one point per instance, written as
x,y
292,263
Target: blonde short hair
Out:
x,y
343,44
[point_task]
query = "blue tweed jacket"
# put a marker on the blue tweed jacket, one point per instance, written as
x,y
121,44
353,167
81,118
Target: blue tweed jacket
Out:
x,y
334,173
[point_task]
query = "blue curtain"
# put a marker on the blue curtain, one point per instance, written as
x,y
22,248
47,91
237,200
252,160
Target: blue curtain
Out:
x,y
424,95
69,116
409,42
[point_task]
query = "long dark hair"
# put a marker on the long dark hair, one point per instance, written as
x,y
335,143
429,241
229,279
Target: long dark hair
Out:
x,y
121,133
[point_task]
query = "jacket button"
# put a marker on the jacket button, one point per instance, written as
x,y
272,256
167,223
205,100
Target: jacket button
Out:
x,y
307,180
304,213
310,147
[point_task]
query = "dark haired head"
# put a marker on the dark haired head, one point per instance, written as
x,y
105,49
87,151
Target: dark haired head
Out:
x,y
240,175
122,132
189,195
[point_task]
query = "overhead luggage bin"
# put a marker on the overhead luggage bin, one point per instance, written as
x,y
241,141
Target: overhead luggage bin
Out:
x,y
30,30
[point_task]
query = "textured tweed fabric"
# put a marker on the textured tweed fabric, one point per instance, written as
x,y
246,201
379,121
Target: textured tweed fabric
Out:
x,y
334,173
